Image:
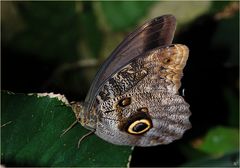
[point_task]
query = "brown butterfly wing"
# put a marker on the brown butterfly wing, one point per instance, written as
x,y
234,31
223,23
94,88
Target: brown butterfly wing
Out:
x,y
155,33
150,82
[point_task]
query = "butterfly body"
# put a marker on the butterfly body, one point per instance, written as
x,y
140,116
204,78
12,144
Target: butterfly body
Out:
x,y
137,103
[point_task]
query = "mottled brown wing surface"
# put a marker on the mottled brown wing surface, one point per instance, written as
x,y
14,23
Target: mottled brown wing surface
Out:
x,y
155,33
139,105
162,68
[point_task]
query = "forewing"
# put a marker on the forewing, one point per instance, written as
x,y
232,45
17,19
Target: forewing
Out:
x,y
155,33
160,69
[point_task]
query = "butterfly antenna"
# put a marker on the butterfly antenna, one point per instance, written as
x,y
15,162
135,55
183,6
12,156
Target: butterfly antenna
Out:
x,y
84,136
71,126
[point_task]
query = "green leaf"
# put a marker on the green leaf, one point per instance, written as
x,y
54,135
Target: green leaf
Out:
x,y
220,140
131,12
31,128
228,160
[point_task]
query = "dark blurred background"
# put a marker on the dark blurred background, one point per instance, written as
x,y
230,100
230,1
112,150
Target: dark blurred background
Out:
x,y
58,47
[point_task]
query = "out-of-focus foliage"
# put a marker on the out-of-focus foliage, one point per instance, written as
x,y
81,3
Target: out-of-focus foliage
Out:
x,y
57,46
228,160
131,13
45,26
217,6
228,30
233,107
220,140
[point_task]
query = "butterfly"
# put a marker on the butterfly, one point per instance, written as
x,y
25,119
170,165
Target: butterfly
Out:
x,y
134,99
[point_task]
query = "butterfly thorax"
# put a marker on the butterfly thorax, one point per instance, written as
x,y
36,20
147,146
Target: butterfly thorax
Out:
x,y
86,117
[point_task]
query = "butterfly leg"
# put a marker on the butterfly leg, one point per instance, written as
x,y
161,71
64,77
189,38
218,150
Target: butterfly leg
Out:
x,y
84,136
70,127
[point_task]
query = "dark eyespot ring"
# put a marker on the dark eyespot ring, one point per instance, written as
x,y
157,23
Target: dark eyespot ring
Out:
x,y
139,126
125,102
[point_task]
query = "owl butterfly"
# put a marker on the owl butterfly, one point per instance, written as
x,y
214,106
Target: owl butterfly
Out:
x,y
134,98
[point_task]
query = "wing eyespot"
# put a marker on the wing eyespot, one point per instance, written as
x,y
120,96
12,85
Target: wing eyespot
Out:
x,y
139,126
124,102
